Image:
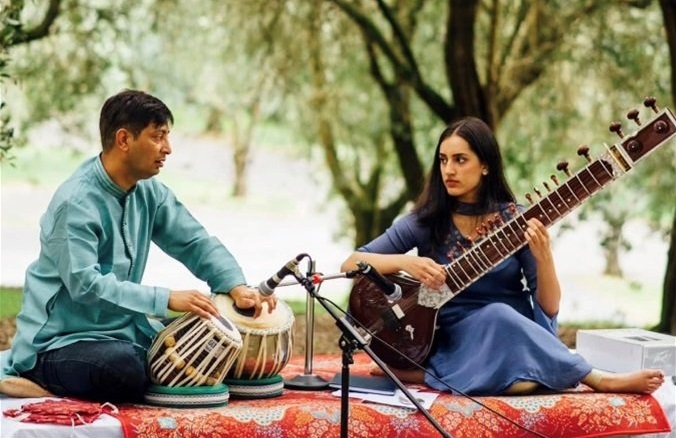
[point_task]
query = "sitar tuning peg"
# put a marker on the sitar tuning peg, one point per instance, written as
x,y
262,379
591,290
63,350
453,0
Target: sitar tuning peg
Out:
x,y
616,127
537,192
633,115
555,179
546,186
583,151
651,102
530,198
563,167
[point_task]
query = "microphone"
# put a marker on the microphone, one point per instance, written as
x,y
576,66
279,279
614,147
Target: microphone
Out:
x,y
391,290
268,286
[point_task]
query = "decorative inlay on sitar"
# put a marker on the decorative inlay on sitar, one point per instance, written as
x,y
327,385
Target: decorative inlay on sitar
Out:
x,y
408,325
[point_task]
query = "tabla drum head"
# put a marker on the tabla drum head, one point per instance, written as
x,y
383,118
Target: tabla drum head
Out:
x,y
280,318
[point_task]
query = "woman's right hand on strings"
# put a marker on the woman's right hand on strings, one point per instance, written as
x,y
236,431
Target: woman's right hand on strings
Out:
x,y
425,270
192,301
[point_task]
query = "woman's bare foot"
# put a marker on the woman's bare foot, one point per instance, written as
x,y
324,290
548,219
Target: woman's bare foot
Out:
x,y
407,376
641,382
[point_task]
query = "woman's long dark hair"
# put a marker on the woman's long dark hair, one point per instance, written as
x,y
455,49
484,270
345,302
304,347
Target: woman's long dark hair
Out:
x,y
434,206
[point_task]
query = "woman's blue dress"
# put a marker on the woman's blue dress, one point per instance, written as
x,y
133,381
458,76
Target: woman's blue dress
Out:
x,y
493,333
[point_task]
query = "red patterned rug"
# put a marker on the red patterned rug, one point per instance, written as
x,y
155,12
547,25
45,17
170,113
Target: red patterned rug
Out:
x,y
316,413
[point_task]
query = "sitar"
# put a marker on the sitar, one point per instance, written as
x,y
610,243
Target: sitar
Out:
x,y
403,331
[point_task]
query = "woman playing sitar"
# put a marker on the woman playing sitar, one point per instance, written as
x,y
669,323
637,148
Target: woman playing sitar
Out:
x,y
499,336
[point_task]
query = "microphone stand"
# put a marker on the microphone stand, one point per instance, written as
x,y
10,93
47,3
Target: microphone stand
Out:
x,y
308,380
350,341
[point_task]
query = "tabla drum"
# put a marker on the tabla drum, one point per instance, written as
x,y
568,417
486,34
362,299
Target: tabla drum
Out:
x,y
267,341
194,351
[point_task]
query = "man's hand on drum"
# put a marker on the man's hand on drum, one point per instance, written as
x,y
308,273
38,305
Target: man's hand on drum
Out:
x,y
192,301
246,298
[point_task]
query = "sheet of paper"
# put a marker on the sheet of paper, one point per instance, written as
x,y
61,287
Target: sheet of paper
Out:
x,y
398,399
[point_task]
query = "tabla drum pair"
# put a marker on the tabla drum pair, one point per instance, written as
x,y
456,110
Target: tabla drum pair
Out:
x,y
194,351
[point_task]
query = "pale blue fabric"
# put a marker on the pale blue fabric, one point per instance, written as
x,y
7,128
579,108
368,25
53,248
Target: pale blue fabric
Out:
x,y
493,333
95,240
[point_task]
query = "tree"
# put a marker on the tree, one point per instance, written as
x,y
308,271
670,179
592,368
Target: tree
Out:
x,y
12,33
225,71
492,54
488,81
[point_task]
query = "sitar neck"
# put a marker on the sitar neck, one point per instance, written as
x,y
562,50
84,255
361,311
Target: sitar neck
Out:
x,y
503,239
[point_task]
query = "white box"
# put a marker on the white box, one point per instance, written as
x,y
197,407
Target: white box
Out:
x,y
630,349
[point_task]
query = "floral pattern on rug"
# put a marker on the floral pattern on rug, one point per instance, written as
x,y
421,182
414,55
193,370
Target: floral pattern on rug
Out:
x,y
316,413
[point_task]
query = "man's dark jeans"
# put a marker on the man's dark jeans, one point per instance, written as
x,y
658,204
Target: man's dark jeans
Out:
x,y
105,371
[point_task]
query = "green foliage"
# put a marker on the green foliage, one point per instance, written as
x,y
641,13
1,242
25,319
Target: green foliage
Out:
x,y
604,69
564,80
9,31
6,135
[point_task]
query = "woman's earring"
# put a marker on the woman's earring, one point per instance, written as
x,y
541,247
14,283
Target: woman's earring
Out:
x,y
484,172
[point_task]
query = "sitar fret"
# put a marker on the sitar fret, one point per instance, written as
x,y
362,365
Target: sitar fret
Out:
x,y
476,263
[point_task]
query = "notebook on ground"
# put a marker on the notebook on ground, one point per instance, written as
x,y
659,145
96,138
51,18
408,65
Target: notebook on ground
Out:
x,y
370,384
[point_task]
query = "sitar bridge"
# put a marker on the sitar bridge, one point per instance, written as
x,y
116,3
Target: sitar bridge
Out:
x,y
391,317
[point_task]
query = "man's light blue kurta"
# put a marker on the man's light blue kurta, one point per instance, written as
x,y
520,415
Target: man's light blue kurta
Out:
x,y
95,239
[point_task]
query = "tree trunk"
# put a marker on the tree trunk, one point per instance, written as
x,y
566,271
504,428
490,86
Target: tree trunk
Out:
x,y
214,118
240,159
667,322
612,246
461,67
242,146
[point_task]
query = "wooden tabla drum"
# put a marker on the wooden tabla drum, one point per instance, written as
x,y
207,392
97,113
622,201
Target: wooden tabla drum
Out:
x,y
194,351
267,341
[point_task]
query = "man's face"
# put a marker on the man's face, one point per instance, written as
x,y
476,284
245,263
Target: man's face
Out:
x,y
147,152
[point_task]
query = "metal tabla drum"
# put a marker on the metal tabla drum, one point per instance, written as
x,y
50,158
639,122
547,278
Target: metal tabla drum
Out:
x,y
267,341
194,351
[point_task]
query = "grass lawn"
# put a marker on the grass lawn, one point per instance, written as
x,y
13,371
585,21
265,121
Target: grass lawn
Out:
x,y
10,301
